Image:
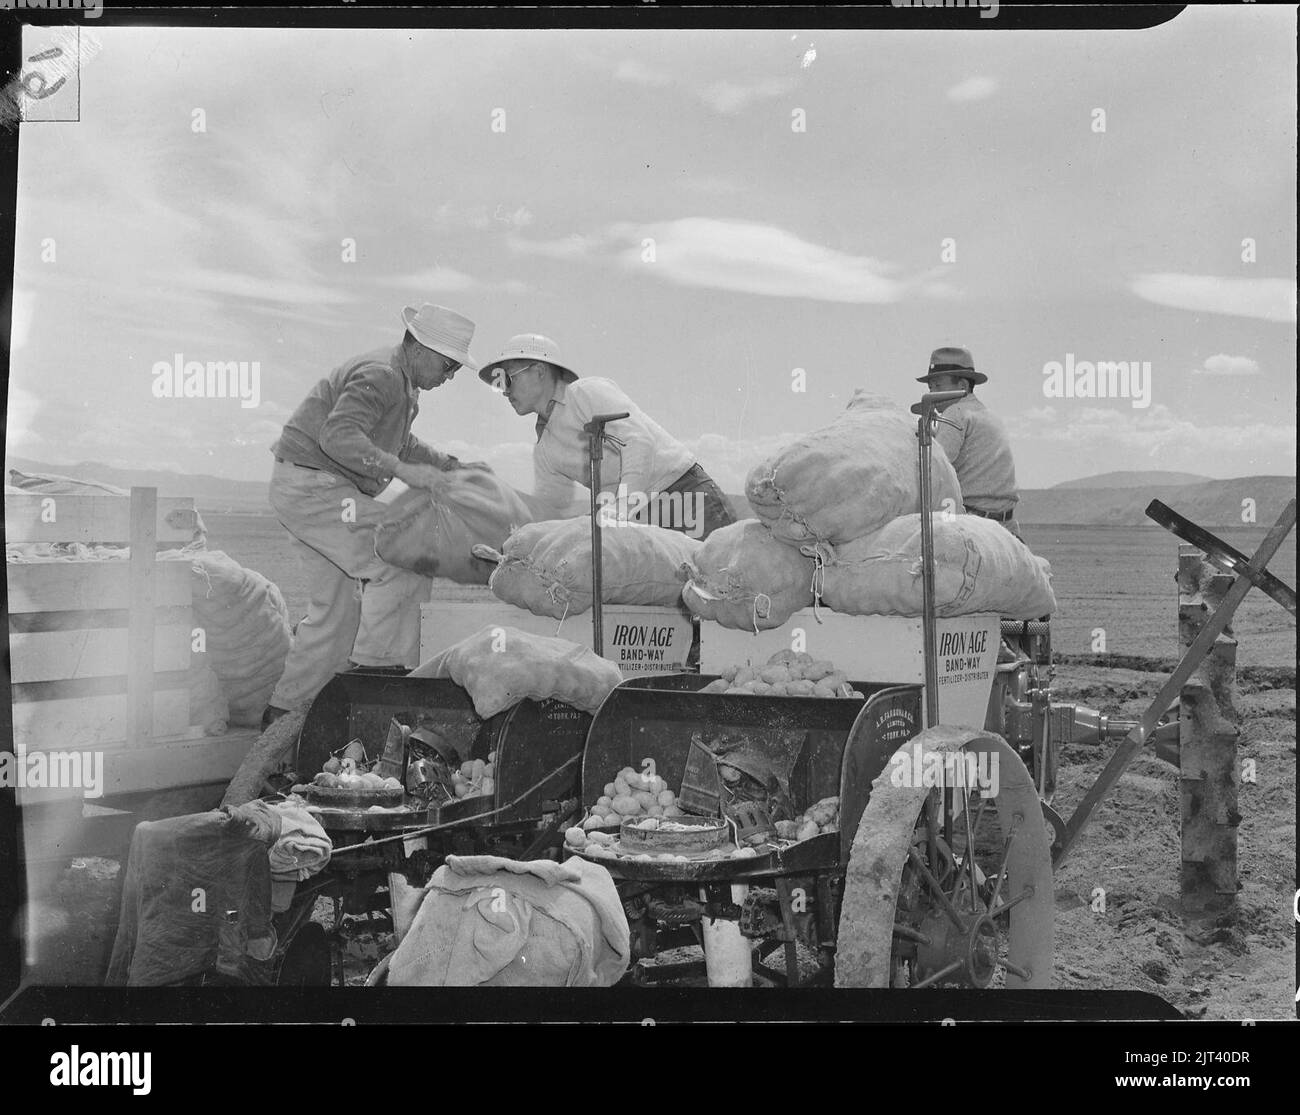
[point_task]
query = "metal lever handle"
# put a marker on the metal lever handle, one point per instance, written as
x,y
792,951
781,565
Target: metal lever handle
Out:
x,y
596,428
932,397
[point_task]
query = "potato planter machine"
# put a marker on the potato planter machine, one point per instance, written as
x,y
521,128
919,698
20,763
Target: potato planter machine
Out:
x,y
931,878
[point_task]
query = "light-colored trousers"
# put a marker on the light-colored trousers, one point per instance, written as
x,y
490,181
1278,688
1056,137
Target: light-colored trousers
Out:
x,y
361,607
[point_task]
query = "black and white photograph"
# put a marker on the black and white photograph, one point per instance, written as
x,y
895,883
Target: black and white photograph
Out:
x,y
564,502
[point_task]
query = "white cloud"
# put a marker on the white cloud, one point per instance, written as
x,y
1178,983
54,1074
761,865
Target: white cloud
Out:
x,y
1269,299
973,89
638,73
239,285
20,416
729,97
571,247
439,280
480,218
1129,437
725,97
757,259
1224,365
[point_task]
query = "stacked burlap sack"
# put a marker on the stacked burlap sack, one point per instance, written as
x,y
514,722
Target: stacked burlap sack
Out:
x,y
745,577
979,566
433,532
546,567
849,478
501,666
838,523
246,631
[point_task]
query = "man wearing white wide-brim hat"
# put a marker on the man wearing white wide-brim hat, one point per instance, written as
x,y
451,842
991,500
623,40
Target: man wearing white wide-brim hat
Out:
x,y
658,476
973,438
339,450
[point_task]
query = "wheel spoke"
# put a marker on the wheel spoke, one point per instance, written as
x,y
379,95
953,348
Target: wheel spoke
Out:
x,y
1002,866
948,908
907,932
1016,970
940,974
970,842
997,912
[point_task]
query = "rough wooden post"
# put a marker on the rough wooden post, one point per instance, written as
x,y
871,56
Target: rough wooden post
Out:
x,y
140,622
1207,745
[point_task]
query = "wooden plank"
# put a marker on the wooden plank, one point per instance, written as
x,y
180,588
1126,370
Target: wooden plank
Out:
x,y
55,655
46,518
94,721
181,759
140,632
75,688
48,586
84,619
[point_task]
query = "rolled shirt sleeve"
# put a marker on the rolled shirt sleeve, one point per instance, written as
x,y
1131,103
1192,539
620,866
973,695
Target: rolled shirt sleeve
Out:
x,y
419,452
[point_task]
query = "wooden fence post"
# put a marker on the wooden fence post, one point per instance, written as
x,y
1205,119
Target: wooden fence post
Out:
x,y
140,629
1207,745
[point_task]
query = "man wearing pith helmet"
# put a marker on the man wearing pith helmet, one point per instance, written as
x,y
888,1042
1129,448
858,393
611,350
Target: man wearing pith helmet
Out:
x,y
974,439
339,450
640,455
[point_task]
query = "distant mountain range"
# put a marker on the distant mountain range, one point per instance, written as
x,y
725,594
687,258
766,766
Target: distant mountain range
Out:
x,y
1110,499
210,493
1135,480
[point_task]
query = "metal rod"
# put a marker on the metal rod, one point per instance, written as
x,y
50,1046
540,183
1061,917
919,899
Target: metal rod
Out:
x,y
1226,557
910,934
924,437
413,834
596,448
945,904
1137,738
927,573
934,977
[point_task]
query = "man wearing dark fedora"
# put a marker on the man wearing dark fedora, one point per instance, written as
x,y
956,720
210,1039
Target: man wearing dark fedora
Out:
x,y
974,439
339,450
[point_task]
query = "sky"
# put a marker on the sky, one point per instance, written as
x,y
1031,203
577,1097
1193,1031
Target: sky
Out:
x,y
649,200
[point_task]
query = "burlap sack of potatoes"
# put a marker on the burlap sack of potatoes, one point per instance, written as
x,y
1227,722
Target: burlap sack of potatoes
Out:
x,y
500,666
850,478
744,578
546,567
246,626
432,532
979,566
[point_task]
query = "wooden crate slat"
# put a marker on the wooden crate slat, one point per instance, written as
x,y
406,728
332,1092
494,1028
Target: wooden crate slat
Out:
x,y
75,688
49,586
33,623
94,722
89,653
92,519
184,759
140,629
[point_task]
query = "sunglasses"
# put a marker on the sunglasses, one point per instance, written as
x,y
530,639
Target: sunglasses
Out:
x,y
510,377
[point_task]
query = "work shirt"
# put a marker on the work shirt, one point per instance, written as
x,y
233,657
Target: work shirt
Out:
x,y
980,452
648,460
356,423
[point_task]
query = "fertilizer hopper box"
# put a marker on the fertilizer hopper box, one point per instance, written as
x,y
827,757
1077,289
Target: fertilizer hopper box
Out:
x,y
879,649
639,639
